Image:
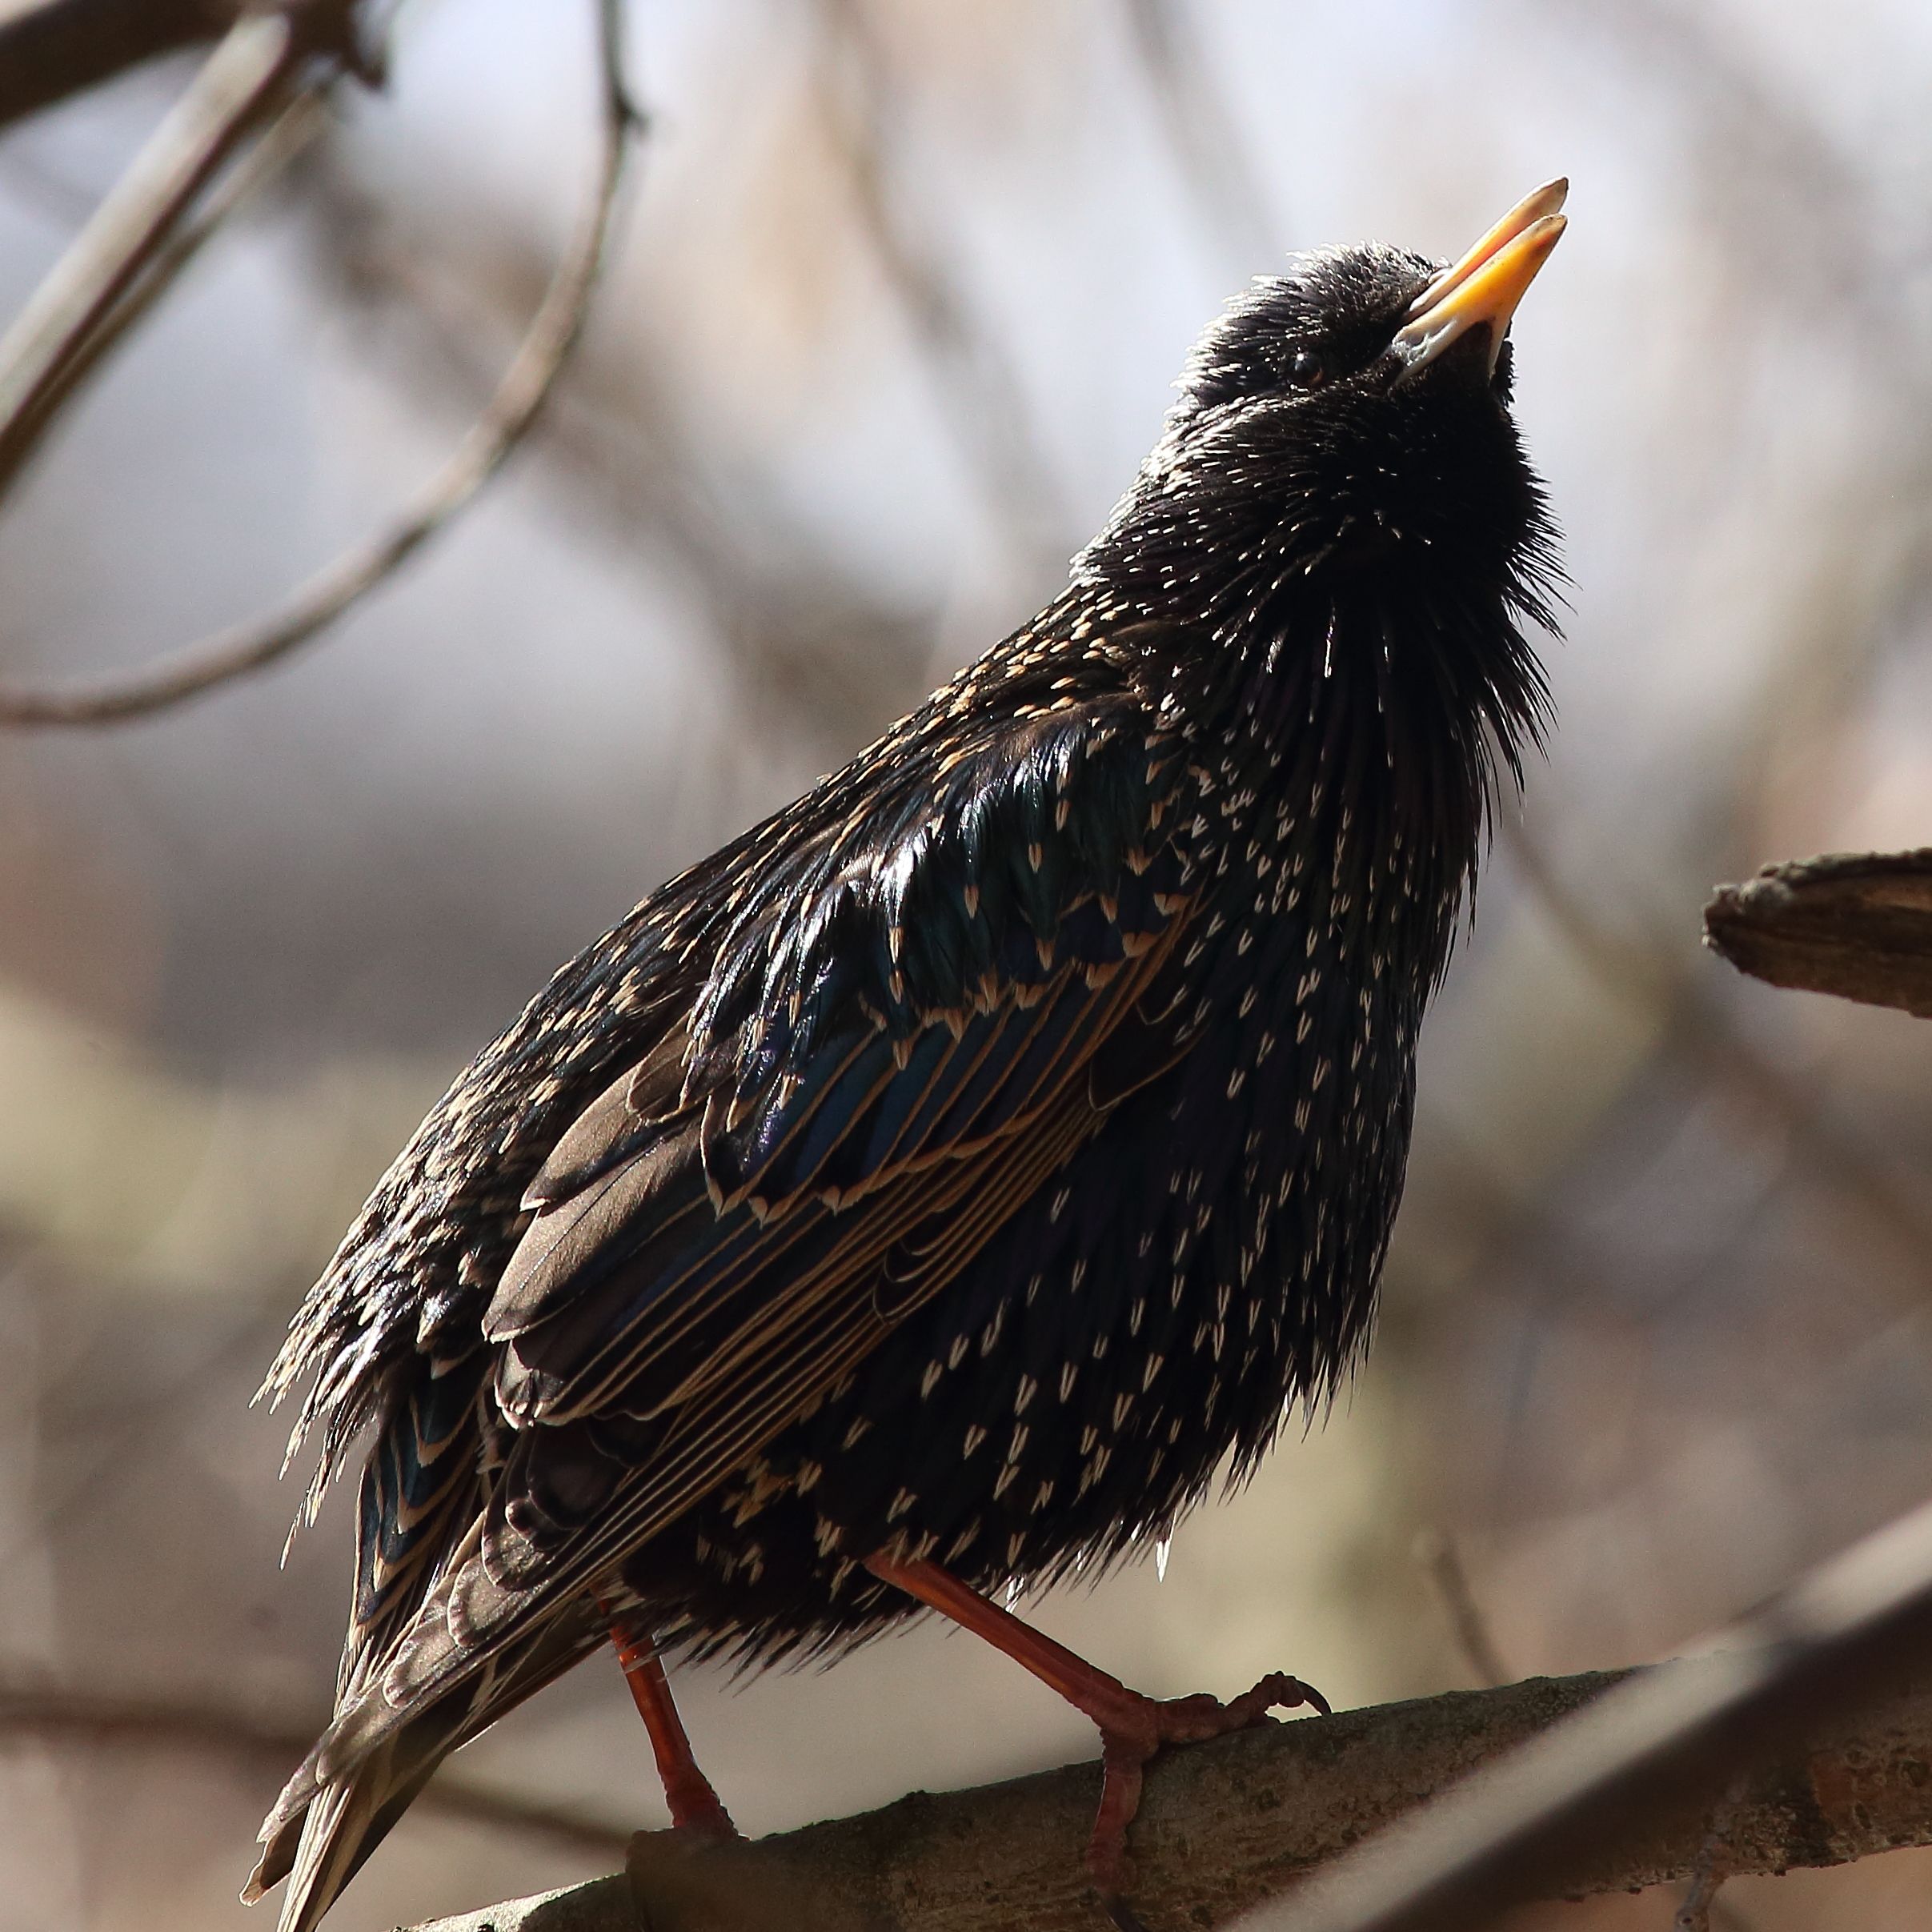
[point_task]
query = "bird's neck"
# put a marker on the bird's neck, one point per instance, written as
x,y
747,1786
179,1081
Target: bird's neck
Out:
x,y
1363,709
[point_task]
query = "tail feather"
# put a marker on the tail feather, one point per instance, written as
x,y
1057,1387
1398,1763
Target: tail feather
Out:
x,y
320,1849
325,1825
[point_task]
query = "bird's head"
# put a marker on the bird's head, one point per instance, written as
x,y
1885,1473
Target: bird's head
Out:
x,y
1347,420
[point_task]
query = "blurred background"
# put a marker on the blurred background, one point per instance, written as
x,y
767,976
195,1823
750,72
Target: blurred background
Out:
x,y
893,317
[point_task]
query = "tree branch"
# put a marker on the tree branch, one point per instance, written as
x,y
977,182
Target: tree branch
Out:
x,y
978,385
1650,976
51,49
1229,1824
69,1717
164,257
1806,1731
334,591
1859,924
246,79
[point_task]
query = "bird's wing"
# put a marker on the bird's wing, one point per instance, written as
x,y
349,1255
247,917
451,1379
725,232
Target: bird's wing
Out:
x,y
896,1048
901,1040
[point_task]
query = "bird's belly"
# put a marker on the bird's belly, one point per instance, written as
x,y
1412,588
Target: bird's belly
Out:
x,y
1074,1391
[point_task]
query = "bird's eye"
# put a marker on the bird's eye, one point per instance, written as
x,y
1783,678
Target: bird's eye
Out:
x,y
1306,370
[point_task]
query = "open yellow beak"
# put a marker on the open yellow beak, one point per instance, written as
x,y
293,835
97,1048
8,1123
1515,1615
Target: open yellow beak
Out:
x,y
1486,286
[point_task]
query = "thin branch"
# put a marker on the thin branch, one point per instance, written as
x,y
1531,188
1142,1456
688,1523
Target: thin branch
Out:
x,y
812,646
51,50
1701,1909
1441,1563
78,1717
331,592
243,82
284,137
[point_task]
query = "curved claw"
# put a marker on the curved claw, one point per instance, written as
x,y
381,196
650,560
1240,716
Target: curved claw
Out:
x,y
1133,1727
1134,1730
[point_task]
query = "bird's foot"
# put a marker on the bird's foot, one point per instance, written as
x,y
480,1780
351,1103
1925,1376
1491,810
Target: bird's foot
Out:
x,y
1132,1729
697,1813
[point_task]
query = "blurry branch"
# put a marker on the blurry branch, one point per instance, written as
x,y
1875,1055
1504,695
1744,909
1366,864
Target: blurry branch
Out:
x,y
73,1717
1799,206
1650,976
1806,1736
819,653
284,137
1441,1563
1856,924
52,49
979,387
1200,131
331,592
138,1427
1814,242
246,80
1588,1799
62,47
1870,574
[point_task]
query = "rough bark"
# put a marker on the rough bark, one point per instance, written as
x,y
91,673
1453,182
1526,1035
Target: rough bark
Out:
x,y
1859,924
1228,1825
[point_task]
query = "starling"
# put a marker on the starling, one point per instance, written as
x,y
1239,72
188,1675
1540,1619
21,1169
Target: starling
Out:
x,y
932,1190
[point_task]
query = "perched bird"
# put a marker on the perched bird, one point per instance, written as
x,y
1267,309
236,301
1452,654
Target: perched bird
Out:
x,y
934,1188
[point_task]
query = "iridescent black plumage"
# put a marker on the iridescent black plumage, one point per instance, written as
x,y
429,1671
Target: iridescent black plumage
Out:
x,y
972,1158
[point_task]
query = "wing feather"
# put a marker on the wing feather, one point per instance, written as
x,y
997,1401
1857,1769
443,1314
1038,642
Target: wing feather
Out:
x,y
877,1076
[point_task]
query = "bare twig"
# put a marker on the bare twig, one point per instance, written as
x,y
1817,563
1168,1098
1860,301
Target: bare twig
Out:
x,y
70,1717
246,79
327,596
1859,924
51,49
291,129
1441,1563
1701,1909
979,387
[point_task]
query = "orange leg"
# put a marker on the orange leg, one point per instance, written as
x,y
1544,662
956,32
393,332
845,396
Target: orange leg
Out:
x,y
1133,1727
695,1806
